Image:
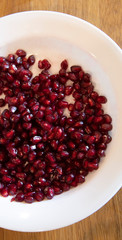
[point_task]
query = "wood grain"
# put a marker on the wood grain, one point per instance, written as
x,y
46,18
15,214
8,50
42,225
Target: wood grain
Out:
x,y
105,224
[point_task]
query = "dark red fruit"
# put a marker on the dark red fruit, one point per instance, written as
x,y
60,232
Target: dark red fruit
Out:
x,y
48,143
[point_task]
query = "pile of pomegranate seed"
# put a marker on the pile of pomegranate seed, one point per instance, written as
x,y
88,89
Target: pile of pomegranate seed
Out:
x,y
43,151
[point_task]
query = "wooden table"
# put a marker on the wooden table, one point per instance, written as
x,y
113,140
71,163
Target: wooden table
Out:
x,y
105,224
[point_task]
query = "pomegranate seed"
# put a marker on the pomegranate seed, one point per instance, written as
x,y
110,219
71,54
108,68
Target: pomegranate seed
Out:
x,y
6,114
68,90
40,65
1,186
27,126
76,95
10,134
31,59
65,186
91,153
74,114
2,102
32,156
39,196
107,118
5,66
64,154
12,151
101,99
21,176
20,53
101,153
2,59
78,105
80,155
94,95
69,178
72,77
49,192
18,61
62,72
80,178
57,190
106,138
36,139
12,189
76,69
25,148
29,199
6,179
19,197
4,192
106,127
11,58
62,104
12,68
64,64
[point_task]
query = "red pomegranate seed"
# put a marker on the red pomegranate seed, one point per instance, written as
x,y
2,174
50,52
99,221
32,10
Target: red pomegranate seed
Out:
x,y
29,199
12,151
2,59
10,134
20,53
91,153
101,153
31,59
69,178
39,196
4,192
19,197
32,156
80,178
65,186
76,69
6,114
5,66
72,76
68,90
27,126
6,179
64,64
78,105
40,64
2,102
101,99
36,139
12,68
11,58
1,186
106,127
106,138
18,61
70,107
107,118
25,148
49,192
62,104
74,114
57,190
80,155
12,189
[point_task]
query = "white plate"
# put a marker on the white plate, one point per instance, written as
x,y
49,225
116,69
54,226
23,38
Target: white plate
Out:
x,y
57,36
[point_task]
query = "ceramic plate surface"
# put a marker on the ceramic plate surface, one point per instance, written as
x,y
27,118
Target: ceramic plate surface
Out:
x,y
57,36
